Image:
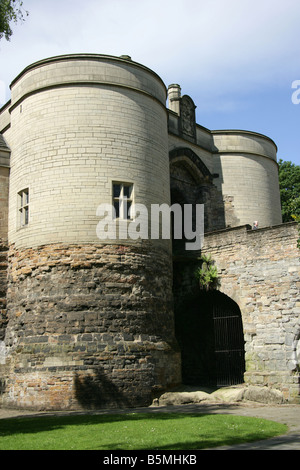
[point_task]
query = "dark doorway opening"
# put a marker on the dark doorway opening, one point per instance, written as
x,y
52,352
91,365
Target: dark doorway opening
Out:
x,y
209,331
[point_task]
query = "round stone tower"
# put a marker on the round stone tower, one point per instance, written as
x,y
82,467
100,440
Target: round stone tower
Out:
x,y
90,319
4,185
246,164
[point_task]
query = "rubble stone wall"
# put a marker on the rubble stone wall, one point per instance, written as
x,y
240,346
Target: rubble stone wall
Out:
x,y
3,289
260,271
89,327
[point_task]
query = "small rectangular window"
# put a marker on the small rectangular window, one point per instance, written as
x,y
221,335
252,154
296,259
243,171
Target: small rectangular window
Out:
x,y
122,200
23,207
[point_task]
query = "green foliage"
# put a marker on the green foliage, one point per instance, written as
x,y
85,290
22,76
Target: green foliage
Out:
x,y
207,273
289,184
297,219
10,11
138,431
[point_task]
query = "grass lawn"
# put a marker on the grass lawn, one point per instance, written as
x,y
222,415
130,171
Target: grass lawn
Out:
x,y
133,431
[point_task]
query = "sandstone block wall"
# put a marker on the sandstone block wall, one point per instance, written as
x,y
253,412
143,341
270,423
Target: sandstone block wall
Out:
x,y
89,327
260,271
4,187
248,174
79,124
245,170
3,291
4,178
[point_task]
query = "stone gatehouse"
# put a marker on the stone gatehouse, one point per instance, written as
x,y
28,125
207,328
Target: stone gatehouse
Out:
x,y
90,322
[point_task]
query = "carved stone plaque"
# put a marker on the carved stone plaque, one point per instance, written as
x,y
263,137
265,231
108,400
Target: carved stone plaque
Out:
x,y
187,116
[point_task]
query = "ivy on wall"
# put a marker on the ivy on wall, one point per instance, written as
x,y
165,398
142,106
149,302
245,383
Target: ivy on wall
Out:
x,y
207,273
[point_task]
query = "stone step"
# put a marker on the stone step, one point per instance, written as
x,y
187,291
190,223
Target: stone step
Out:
x,y
234,394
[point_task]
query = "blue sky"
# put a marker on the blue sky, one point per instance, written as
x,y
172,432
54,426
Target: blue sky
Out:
x,y
237,59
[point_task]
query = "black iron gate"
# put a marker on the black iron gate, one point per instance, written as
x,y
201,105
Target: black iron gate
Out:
x,y
229,341
210,334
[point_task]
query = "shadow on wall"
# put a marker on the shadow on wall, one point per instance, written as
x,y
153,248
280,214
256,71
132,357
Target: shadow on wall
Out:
x,y
2,386
96,391
296,354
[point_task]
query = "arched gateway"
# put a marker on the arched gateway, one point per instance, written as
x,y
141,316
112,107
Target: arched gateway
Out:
x,y
209,330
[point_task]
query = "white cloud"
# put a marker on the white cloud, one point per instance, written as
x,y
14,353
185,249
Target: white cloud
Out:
x,y
242,41
219,51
